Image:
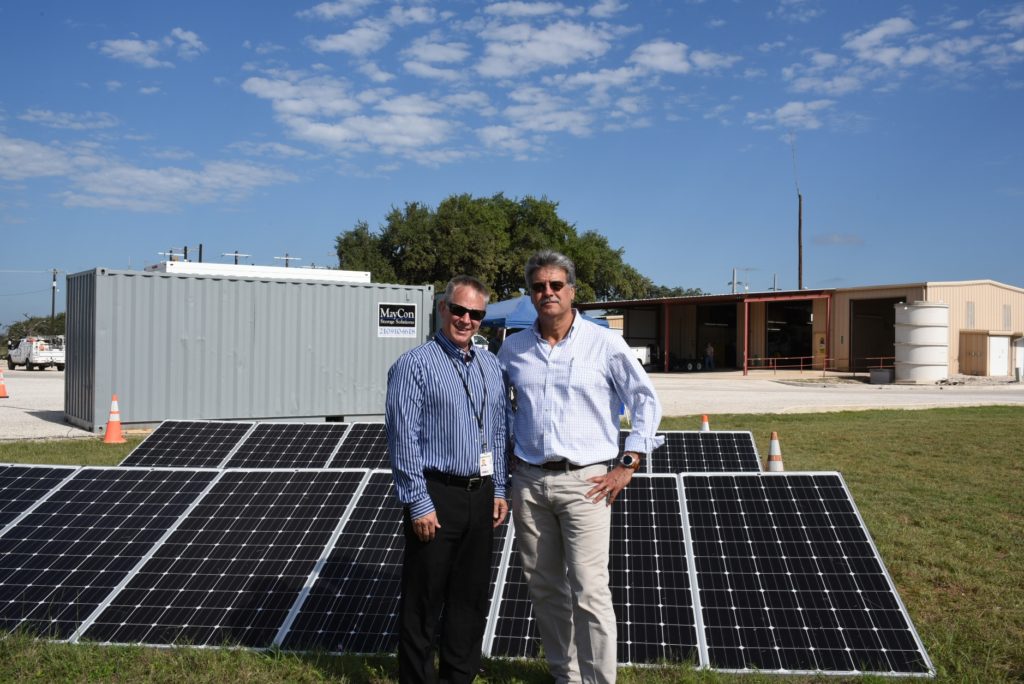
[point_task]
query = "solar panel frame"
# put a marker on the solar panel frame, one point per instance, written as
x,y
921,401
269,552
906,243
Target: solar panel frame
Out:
x,y
203,614
371,439
762,613
734,451
165,436
65,557
303,445
19,495
639,590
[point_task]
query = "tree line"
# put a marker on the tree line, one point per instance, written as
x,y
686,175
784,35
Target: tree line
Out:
x,y
490,238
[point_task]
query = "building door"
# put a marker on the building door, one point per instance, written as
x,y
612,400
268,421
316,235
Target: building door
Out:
x,y
999,355
872,333
1018,356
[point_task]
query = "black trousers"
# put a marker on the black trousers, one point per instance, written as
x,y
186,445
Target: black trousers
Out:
x,y
453,572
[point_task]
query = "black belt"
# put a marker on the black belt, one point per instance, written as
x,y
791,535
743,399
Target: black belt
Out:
x,y
561,465
470,484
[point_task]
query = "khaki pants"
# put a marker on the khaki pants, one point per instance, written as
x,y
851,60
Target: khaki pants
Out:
x,y
563,541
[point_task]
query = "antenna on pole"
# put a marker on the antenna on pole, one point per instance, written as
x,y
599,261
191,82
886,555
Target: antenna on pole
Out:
x,y
287,259
171,254
235,254
799,218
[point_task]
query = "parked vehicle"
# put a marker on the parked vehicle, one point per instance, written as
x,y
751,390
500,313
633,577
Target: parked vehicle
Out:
x,y
37,352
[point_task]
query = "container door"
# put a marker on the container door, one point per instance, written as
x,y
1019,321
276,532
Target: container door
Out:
x,y
999,356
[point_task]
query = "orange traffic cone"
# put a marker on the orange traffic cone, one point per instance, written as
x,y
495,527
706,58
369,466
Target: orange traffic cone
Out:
x,y
113,433
775,455
704,426
3,386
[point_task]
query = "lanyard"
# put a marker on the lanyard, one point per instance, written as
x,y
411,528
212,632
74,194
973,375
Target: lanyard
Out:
x,y
479,415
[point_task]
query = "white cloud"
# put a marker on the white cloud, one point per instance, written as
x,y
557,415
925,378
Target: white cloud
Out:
x,y
149,90
539,110
426,50
333,10
427,71
402,16
75,122
792,116
712,61
1014,18
141,52
770,47
114,86
264,48
172,153
375,73
603,9
20,158
523,9
506,139
801,11
368,36
268,149
870,45
475,100
318,96
189,45
519,49
144,52
662,55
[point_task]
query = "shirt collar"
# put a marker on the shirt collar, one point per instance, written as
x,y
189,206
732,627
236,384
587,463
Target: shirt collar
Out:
x,y
576,316
452,349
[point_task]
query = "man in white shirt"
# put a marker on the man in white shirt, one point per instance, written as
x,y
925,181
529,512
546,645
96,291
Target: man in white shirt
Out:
x,y
569,378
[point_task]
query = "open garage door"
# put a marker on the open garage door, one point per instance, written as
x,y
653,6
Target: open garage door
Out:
x,y
872,333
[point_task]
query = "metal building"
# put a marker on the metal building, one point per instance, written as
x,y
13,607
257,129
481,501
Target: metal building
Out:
x,y
175,346
848,329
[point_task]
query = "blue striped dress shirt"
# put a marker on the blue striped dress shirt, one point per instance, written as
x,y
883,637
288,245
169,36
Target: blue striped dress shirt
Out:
x,y
568,396
431,424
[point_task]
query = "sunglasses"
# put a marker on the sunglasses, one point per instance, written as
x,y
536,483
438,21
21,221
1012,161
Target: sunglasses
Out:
x,y
460,311
555,285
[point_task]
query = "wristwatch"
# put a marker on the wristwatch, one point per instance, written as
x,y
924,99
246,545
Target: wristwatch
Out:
x,y
630,459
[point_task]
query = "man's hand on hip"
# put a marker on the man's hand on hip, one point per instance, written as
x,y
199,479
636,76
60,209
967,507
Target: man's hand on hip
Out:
x,y
426,527
607,487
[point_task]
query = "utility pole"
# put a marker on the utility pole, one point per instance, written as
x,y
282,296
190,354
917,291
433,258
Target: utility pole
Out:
x,y
53,296
288,259
235,254
800,240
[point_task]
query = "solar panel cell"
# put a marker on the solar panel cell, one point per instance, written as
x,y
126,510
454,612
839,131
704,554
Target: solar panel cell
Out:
x,y
188,444
789,579
234,566
288,445
23,486
60,561
365,446
710,452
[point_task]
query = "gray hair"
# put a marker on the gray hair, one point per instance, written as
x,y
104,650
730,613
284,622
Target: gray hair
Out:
x,y
465,281
549,257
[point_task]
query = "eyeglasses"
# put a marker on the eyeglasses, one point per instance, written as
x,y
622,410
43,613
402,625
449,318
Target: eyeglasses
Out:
x,y
555,285
460,311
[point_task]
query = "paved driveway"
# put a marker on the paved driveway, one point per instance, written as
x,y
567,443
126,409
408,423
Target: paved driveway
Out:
x,y
35,409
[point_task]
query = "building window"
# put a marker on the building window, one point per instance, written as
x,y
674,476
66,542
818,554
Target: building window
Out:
x,y
969,316
1007,318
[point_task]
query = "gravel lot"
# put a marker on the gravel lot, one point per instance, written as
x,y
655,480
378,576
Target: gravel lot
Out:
x,y
35,407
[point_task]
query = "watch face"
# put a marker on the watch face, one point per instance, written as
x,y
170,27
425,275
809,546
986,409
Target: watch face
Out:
x,y
628,460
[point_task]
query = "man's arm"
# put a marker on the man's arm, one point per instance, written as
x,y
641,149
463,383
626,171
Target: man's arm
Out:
x,y
402,418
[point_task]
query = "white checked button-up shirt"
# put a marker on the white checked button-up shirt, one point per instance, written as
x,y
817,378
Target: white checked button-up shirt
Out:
x,y
568,396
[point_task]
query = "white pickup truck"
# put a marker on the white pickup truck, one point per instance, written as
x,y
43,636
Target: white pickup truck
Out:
x,y
37,352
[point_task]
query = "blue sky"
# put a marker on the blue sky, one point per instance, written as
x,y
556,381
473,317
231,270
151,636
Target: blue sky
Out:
x,y
680,130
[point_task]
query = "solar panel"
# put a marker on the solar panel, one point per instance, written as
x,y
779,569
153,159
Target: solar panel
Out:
x,y
649,581
60,561
353,605
231,570
188,444
649,576
365,446
705,452
288,445
21,486
790,581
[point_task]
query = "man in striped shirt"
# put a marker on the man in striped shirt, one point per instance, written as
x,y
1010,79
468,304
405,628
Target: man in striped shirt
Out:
x,y
447,438
570,376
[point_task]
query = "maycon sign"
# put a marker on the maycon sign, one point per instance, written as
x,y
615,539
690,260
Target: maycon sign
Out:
x,y
396,320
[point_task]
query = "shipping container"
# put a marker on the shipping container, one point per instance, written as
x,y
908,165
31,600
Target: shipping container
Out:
x,y
196,347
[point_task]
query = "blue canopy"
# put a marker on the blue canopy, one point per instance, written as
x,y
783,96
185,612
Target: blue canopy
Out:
x,y
518,312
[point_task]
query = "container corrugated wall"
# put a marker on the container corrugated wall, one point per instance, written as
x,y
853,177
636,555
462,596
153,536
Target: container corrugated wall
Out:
x,y
214,347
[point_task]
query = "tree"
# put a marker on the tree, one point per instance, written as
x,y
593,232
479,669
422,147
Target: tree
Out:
x,y
32,325
490,238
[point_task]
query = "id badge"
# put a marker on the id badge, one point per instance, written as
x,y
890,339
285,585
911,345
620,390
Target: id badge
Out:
x,y
486,464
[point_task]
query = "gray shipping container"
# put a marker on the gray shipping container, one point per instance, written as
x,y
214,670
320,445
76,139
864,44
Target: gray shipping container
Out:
x,y
223,347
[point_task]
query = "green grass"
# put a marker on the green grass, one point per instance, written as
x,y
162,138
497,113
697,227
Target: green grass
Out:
x,y
941,491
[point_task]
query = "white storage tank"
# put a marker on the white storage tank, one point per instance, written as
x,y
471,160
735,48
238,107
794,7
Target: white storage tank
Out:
x,y
922,342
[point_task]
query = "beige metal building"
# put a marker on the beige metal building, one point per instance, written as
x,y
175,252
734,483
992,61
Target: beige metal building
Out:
x,y
850,329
